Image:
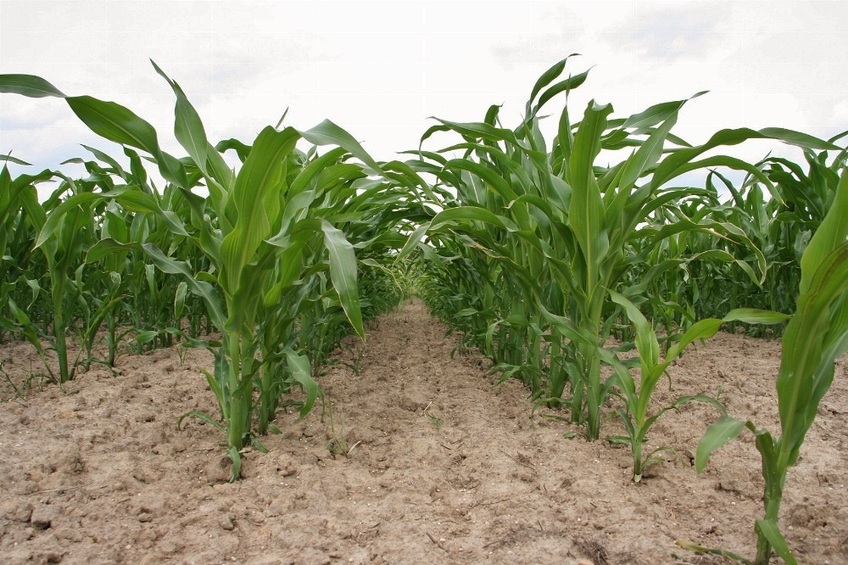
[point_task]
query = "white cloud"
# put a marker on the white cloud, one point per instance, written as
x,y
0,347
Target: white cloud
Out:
x,y
840,112
380,68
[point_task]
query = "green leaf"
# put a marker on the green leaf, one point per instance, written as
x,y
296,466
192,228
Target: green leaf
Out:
x,y
58,216
674,164
646,156
257,198
479,131
219,382
179,300
146,336
586,214
204,290
106,247
314,168
566,85
657,113
718,434
188,128
414,240
138,201
115,123
343,274
300,370
702,329
474,213
770,530
493,179
547,78
567,327
107,119
202,416
328,133
831,233
15,160
755,316
619,440
28,85
646,338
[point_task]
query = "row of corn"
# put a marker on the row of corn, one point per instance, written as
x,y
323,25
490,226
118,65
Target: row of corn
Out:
x,y
538,251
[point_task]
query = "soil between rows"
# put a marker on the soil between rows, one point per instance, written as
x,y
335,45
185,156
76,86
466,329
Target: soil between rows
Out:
x,y
443,467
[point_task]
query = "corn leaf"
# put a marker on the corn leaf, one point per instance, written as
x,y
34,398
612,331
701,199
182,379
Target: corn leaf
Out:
x,y
299,368
831,233
343,274
770,530
255,198
674,164
586,213
203,289
188,128
717,434
28,85
328,133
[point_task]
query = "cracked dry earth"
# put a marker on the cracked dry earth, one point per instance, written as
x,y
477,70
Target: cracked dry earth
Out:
x,y
443,467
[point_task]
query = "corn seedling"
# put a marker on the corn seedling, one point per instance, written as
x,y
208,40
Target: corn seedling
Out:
x,y
355,363
636,415
434,419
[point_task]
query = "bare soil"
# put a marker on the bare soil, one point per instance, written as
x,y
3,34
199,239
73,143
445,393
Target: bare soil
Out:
x,y
442,466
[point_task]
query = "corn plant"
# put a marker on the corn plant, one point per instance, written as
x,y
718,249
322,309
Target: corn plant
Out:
x,y
566,228
636,414
815,336
21,216
101,300
62,250
256,247
780,219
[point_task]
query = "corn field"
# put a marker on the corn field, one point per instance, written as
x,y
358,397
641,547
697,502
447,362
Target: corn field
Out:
x,y
581,265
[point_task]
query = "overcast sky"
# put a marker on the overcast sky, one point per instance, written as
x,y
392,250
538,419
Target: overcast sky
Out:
x,y
380,69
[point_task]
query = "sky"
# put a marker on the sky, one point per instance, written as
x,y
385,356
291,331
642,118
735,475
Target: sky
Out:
x,y
383,69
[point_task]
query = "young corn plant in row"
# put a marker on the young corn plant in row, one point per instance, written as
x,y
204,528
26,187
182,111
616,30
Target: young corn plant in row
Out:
x,y
779,220
567,227
62,254
263,232
636,414
815,336
21,216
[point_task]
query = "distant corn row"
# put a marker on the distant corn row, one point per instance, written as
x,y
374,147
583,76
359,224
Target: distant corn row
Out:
x,y
538,252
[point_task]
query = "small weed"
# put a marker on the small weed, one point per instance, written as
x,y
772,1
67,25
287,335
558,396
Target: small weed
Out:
x,y
182,351
355,364
18,395
437,422
336,442
37,381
